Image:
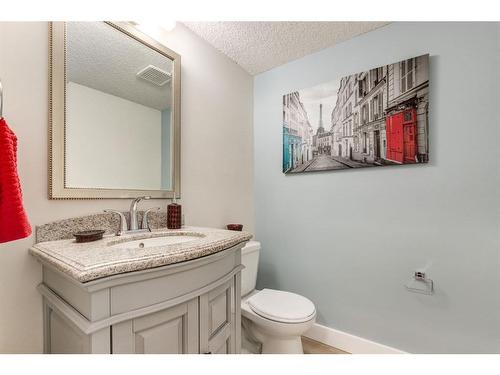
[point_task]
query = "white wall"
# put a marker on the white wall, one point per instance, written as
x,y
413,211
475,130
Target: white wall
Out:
x,y
111,142
216,158
350,240
217,133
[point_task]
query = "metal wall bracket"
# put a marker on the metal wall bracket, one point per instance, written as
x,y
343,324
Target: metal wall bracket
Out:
x,y
420,283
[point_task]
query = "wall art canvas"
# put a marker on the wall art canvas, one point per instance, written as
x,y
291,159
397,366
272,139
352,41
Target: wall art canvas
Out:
x,y
374,118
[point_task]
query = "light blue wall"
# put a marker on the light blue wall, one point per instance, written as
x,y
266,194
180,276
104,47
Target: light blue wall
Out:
x,y
166,161
350,240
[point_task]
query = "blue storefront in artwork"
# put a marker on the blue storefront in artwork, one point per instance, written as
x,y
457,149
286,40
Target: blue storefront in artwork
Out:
x,y
291,149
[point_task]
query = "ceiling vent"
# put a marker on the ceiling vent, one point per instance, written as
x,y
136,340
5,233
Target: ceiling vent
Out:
x,y
154,75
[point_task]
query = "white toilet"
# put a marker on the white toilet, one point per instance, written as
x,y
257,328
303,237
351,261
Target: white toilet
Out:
x,y
274,318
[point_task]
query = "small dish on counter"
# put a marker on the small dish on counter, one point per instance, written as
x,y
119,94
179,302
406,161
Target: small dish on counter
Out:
x,y
236,227
89,235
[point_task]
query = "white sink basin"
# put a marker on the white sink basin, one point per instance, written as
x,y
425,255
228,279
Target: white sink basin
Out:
x,y
155,241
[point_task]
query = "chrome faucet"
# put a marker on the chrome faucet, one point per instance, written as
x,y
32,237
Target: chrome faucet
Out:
x,y
134,222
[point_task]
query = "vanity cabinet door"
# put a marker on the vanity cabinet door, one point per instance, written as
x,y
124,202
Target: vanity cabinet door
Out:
x,y
170,331
217,320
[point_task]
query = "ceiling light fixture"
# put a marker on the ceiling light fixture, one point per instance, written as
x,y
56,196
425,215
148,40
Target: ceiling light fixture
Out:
x,y
154,28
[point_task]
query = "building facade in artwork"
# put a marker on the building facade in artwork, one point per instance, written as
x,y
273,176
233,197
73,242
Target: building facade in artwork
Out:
x,y
369,123
343,118
389,114
407,111
297,133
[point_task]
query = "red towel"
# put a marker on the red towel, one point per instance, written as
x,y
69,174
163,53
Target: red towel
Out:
x,y
13,220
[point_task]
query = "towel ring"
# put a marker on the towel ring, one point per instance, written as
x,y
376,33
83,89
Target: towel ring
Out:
x,y
1,100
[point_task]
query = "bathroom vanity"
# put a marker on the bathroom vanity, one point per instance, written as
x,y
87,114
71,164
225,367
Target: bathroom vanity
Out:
x,y
168,291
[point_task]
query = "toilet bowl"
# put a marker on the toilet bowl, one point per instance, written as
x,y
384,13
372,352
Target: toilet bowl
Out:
x,y
274,319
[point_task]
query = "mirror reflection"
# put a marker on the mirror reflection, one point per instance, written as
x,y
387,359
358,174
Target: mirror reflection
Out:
x,y
118,111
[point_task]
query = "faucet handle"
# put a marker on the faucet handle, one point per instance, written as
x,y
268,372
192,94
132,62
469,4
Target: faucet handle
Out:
x,y
123,221
145,222
144,197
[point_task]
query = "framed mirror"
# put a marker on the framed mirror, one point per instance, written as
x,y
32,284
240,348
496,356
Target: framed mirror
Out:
x,y
114,123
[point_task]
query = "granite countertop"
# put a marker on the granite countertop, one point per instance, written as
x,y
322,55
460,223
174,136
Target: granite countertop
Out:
x,y
94,260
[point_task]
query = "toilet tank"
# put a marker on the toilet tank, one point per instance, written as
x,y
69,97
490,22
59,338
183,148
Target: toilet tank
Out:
x,y
250,259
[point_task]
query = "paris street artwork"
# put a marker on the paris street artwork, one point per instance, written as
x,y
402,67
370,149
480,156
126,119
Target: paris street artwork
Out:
x,y
374,118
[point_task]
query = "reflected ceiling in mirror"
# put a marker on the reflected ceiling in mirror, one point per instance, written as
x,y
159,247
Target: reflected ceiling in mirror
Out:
x,y
101,57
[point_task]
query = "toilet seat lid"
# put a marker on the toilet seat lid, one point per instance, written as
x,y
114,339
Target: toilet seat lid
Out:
x,y
282,306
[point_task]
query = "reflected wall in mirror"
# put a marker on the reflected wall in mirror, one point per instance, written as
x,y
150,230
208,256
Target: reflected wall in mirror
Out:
x,y
117,135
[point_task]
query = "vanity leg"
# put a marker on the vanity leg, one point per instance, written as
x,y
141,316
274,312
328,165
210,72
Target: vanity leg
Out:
x,y
237,311
46,326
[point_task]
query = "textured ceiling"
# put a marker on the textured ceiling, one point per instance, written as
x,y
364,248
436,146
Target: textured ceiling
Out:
x,y
260,46
100,57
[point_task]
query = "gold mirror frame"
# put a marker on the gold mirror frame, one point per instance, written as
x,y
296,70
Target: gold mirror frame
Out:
x,y
57,118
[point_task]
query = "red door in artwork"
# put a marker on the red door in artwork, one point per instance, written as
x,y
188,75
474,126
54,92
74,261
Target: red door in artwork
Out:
x,y
401,139
410,140
394,134
409,144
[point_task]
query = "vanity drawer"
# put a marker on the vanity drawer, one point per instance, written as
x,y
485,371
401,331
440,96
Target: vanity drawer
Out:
x,y
140,294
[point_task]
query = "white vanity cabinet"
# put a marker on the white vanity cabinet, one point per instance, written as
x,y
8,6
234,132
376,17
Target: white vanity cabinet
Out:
x,y
187,307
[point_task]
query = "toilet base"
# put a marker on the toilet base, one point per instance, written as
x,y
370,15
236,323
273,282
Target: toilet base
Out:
x,y
252,336
263,335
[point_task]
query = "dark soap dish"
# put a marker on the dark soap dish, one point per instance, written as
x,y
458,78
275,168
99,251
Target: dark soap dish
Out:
x,y
89,235
237,227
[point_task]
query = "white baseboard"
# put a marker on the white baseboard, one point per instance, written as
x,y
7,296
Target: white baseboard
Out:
x,y
347,342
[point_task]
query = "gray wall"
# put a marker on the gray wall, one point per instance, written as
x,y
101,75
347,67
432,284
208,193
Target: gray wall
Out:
x,y
350,240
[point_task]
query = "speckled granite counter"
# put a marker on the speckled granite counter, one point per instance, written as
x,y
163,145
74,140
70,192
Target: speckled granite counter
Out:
x,y
94,260
109,222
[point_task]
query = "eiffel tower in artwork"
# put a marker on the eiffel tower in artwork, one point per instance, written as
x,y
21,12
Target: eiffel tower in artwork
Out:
x,y
321,129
